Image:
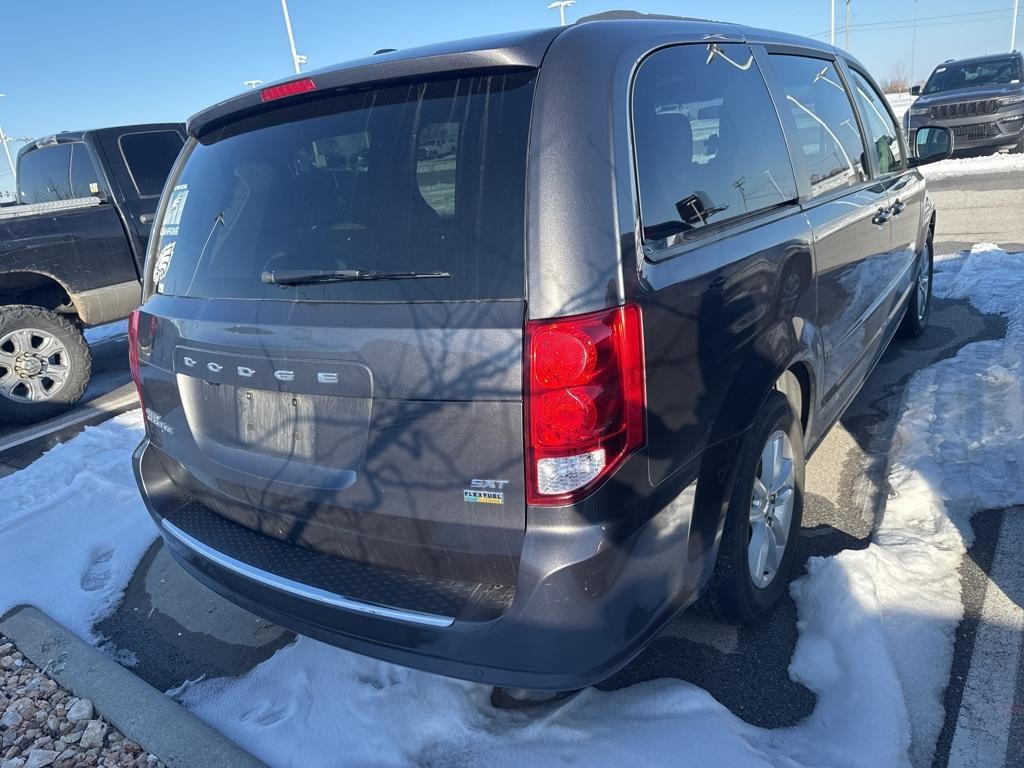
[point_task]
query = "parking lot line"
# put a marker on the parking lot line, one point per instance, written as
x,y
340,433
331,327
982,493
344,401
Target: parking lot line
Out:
x,y
105,406
983,724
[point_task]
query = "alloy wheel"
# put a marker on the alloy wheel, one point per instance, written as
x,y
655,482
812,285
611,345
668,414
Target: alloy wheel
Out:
x,y
34,365
771,509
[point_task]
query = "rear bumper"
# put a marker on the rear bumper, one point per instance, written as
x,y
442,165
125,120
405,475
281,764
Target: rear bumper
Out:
x,y
587,598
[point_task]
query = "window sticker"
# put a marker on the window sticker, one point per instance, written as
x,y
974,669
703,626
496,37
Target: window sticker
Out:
x,y
163,262
172,219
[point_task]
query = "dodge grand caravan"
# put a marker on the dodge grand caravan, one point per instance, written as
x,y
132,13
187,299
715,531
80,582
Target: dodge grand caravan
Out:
x,y
488,358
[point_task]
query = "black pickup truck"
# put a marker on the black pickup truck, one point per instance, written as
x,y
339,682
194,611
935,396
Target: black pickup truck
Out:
x,y
71,253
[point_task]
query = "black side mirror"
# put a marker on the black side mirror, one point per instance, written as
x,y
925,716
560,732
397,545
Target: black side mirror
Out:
x,y
932,144
915,90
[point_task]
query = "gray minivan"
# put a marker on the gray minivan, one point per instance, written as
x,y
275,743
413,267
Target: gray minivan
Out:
x,y
489,357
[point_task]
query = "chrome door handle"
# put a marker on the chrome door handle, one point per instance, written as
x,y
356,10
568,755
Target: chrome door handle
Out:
x,y
897,207
146,218
881,217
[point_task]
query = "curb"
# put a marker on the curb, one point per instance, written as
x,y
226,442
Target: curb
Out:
x,y
122,399
143,714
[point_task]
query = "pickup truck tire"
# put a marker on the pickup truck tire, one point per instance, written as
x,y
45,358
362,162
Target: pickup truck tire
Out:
x,y
35,342
759,538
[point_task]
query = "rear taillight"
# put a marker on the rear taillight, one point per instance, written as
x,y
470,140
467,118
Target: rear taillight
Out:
x,y
585,401
291,88
133,351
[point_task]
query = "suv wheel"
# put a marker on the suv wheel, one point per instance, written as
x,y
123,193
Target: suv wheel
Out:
x,y
916,318
758,546
44,364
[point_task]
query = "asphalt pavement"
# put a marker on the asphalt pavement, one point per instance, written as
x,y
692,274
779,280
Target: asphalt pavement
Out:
x,y
170,630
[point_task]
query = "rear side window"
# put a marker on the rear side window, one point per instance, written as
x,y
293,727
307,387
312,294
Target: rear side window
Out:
x,y
881,129
827,131
44,174
425,176
85,178
149,157
709,146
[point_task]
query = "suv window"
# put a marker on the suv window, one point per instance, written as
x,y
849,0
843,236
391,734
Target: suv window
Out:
x,y
85,179
149,157
882,130
709,146
423,176
44,174
973,74
828,135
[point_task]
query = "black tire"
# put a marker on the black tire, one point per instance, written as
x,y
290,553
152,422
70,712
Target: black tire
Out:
x,y
1018,148
13,407
732,595
920,305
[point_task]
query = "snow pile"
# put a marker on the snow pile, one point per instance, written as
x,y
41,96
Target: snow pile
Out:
x,y
103,333
876,625
73,528
969,166
900,103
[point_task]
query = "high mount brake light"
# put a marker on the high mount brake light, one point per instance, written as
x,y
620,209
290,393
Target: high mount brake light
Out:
x,y
586,401
291,88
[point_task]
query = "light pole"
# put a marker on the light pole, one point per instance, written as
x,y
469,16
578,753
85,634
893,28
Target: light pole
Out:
x,y
832,25
297,59
913,47
846,31
1013,32
561,5
7,150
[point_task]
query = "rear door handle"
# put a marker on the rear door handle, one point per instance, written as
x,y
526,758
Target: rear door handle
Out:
x,y
881,217
897,207
146,218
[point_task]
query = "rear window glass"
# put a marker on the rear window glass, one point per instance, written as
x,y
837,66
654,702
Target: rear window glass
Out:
x,y
149,157
418,177
44,175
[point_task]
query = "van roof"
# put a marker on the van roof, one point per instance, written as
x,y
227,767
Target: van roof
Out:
x,y
609,31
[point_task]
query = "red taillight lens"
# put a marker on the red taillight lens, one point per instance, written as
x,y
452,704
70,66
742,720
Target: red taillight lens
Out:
x,y
287,89
133,351
585,401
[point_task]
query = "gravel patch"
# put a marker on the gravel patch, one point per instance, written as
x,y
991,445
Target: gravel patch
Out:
x,y
42,725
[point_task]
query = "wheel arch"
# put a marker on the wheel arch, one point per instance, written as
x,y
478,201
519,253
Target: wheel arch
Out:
x,y
37,289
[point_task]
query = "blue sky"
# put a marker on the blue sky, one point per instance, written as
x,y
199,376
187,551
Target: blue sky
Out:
x,y
69,64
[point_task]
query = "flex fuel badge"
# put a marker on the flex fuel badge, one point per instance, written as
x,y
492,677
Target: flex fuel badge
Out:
x,y
485,492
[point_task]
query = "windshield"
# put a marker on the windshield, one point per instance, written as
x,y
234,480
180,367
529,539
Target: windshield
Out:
x,y
951,76
418,177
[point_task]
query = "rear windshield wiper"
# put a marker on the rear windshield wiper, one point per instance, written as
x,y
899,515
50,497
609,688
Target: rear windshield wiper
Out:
x,y
308,277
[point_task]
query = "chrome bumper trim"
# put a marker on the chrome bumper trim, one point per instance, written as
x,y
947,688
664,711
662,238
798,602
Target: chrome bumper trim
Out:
x,y
298,589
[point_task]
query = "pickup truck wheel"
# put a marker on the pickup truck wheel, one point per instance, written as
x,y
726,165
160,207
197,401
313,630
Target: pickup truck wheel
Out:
x,y
920,304
44,364
758,546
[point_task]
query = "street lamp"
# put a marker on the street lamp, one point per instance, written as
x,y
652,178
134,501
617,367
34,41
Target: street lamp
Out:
x,y
7,150
1013,32
252,83
561,5
297,59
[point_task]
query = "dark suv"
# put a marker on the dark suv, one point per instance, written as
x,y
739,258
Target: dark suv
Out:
x,y
489,357
981,100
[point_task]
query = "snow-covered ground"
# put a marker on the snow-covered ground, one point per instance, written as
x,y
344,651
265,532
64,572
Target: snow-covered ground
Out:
x,y
900,103
876,625
970,166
